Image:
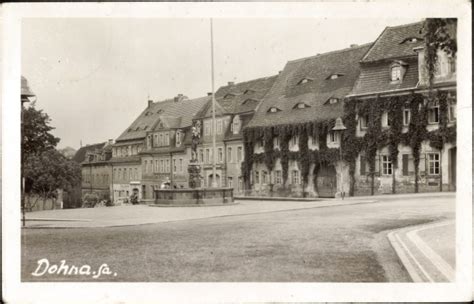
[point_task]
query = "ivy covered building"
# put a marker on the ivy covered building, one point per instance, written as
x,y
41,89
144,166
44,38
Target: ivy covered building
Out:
x,y
401,133
290,148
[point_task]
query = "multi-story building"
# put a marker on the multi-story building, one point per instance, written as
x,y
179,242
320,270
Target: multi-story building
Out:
x,y
410,127
96,170
290,148
235,106
155,148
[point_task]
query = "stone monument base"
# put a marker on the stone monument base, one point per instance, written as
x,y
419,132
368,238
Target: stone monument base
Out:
x,y
194,197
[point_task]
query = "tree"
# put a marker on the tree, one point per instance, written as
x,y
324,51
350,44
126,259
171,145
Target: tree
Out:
x,y
49,170
440,34
35,130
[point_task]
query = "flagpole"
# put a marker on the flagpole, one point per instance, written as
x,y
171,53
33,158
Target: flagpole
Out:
x,y
214,180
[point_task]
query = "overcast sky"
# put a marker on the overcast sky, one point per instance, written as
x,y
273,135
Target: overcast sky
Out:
x,y
93,76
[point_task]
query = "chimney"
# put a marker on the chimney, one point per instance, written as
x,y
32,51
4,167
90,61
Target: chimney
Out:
x,y
279,72
209,93
111,141
150,102
180,97
231,83
354,45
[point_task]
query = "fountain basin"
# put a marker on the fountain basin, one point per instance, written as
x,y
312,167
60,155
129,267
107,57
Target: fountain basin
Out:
x,y
194,197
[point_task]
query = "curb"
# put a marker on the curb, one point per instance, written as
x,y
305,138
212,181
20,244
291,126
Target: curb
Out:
x,y
417,272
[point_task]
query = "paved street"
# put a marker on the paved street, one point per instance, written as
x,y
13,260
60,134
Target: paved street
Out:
x,y
346,243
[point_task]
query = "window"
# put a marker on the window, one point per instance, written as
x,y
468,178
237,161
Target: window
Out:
x,y
257,177
163,169
115,173
168,166
452,111
406,117
229,182
314,141
207,128
433,163
239,154
363,165
301,105
135,174
178,138
433,114
295,177
236,125
125,173
175,168
276,143
405,158
201,155
160,141
333,100
396,73
304,80
278,179
155,166
220,155
180,165
363,120
332,137
385,120
294,140
146,166
208,156
334,76
386,165
229,154
241,183
167,139
273,110
219,126
264,177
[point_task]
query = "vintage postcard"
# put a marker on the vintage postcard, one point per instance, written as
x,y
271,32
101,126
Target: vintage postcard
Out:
x,y
237,152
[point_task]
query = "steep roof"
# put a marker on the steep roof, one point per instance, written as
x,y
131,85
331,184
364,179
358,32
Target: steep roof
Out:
x,y
240,97
290,89
393,43
176,114
80,155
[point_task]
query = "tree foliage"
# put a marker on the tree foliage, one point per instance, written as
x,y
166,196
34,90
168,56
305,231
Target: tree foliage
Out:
x,y
35,129
439,34
50,170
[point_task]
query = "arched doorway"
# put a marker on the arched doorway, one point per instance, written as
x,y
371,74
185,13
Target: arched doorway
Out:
x,y
327,181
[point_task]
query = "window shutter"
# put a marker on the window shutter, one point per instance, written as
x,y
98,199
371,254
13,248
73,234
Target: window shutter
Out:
x,y
362,165
405,164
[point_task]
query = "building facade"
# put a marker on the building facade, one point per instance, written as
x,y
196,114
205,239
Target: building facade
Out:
x,y
96,171
290,148
410,126
235,106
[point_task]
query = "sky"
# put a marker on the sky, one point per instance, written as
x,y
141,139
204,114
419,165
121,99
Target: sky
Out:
x,y
93,77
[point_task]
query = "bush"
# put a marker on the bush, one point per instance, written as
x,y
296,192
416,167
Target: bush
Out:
x,y
89,200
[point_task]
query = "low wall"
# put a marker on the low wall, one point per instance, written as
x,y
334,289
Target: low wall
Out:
x,y
194,197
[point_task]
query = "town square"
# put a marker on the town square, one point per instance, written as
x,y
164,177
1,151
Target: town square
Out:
x,y
241,150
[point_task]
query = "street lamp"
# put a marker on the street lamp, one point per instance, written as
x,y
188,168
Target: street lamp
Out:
x,y
27,95
339,128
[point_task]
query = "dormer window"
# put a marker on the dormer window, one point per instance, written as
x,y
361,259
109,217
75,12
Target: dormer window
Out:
x,y
229,95
236,125
301,105
334,76
397,71
411,40
247,101
160,111
305,80
332,100
249,91
273,110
